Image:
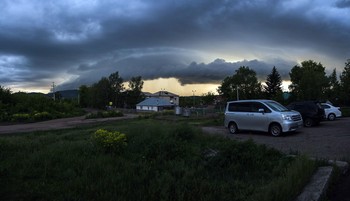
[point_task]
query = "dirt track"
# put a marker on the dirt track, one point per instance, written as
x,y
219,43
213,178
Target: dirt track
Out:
x,y
57,124
329,140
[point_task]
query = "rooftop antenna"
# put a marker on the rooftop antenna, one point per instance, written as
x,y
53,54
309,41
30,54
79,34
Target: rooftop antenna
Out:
x,y
162,91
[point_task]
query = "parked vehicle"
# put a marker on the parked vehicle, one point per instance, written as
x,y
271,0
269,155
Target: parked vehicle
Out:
x,y
331,112
311,111
261,115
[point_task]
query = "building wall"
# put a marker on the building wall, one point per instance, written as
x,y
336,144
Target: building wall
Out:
x,y
172,98
147,108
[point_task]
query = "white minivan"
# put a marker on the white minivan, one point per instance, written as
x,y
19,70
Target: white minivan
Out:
x,y
261,115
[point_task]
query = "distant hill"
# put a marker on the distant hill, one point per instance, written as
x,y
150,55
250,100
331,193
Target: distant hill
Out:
x,y
67,94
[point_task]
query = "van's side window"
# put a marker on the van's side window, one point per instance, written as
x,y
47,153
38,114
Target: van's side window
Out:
x,y
233,107
256,106
240,107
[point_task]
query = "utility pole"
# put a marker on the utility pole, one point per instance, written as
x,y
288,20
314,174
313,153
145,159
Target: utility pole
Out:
x,y
237,92
53,91
193,91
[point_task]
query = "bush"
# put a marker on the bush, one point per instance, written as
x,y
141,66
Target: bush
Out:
x,y
4,116
109,141
40,116
21,117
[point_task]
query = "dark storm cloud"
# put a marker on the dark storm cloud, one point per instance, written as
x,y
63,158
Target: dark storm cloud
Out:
x,y
90,39
168,66
343,3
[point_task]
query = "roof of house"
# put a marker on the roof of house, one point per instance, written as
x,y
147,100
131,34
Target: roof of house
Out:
x,y
163,93
147,94
155,102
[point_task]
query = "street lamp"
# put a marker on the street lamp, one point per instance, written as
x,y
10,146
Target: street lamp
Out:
x,y
193,91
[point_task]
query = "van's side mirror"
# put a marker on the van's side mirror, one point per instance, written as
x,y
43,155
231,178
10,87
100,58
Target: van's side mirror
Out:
x,y
261,110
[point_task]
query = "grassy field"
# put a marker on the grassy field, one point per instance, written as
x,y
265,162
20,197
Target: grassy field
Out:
x,y
162,160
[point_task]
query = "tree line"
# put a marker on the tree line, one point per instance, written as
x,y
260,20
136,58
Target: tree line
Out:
x,y
31,107
308,82
110,91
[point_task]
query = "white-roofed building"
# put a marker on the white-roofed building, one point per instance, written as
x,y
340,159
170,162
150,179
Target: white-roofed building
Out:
x,y
154,104
171,97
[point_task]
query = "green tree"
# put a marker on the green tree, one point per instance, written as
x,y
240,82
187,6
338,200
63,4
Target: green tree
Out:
x,y
208,98
345,83
84,96
186,101
273,88
116,86
309,81
101,93
134,94
6,100
136,84
244,81
333,90
5,95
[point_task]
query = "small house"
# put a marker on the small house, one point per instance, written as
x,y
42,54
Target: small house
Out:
x,y
166,95
154,104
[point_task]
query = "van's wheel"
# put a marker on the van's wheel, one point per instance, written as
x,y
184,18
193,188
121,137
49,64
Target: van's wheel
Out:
x,y
232,127
308,122
275,130
331,117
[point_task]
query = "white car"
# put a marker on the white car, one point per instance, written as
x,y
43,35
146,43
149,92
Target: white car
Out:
x,y
331,111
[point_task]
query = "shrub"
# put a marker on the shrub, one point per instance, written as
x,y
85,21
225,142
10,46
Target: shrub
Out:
x,y
21,117
4,116
109,141
40,116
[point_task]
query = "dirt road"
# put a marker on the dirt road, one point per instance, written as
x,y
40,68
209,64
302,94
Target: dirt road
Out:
x,y
57,124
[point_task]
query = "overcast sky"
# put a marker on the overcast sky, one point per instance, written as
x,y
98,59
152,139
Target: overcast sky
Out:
x,y
75,42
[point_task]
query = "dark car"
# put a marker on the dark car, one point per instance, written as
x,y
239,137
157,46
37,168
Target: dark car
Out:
x,y
311,111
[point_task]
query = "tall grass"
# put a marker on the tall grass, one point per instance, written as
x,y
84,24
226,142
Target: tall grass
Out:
x,y
162,161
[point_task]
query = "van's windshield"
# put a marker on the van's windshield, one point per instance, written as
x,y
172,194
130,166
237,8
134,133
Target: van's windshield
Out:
x,y
276,106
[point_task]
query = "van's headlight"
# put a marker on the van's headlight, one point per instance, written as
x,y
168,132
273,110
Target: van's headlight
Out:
x,y
286,117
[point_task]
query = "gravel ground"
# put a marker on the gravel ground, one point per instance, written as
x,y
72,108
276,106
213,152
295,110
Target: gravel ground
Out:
x,y
329,140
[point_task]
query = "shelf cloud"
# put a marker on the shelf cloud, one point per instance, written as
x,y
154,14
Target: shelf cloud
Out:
x,y
201,41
